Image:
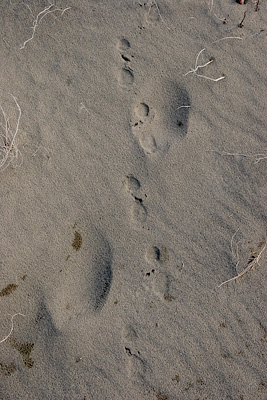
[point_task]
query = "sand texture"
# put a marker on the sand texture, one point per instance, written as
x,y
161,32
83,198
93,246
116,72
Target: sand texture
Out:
x,y
132,185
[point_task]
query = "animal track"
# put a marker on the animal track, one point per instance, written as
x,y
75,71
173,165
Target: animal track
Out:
x,y
83,287
148,143
138,211
132,185
125,75
142,111
156,255
151,13
136,366
123,45
155,131
142,119
161,286
160,257
129,333
152,16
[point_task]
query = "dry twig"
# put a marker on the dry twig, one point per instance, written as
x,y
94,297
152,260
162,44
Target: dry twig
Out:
x,y
259,157
224,20
12,327
8,139
257,5
48,10
249,267
197,67
183,107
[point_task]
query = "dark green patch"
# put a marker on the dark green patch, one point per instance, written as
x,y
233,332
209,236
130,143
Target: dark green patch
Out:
x,y
77,242
8,290
25,350
8,369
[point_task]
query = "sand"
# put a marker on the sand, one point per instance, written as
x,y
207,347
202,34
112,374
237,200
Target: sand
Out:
x,y
133,191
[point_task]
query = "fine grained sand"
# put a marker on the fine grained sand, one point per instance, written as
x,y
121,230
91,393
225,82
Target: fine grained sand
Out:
x,y
126,214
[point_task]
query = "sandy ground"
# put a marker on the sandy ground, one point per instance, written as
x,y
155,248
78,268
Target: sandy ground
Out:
x,y
125,204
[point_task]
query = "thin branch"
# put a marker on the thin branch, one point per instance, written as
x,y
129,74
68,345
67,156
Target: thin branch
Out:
x,y
211,5
48,10
250,266
197,67
225,38
259,157
211,79
12,326
183,107
8,148
232,240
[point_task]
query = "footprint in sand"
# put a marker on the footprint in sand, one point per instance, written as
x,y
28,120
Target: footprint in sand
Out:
x,y
157,130
126,77
161,280
83,286
125,74
141,127
161,286
157,255
135,365
152,13
132,185
138,210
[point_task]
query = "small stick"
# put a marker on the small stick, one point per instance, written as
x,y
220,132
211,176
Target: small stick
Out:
x,y
9,148
240,25
259,157
183,107
224,20
197,67
257,5
211,5
211,11
234,255
49,9
250,266
12,327
225,38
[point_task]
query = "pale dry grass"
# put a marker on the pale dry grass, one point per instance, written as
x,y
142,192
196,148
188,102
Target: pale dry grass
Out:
x,y
12,327
9,152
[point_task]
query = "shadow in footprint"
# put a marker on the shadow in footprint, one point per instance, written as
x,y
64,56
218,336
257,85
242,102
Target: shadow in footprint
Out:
x,y
102,275
176,115
126,77
83,285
